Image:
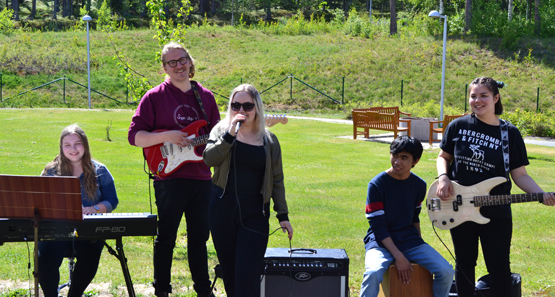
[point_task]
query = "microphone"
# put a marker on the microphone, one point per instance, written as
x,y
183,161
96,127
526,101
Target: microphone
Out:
x,y
237,126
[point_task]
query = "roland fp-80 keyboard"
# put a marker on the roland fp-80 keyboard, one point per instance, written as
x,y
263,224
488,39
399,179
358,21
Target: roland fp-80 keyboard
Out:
x,y
92,227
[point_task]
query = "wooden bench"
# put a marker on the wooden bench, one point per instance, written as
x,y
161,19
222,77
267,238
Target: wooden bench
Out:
x,y
376,120
439,130
382,109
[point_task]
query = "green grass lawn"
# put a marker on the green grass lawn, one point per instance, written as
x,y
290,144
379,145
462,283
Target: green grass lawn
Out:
x,y
326,180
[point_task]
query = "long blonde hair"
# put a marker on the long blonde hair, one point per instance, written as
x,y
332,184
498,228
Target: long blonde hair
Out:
x,y
61,166
259,119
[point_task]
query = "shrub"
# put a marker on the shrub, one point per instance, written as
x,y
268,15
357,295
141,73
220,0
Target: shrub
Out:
x,y
7,25
531,123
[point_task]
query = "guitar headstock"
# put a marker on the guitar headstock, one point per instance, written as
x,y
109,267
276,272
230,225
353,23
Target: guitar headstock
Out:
x,y
272,119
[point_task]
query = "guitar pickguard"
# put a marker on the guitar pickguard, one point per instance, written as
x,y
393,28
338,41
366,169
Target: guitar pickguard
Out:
x,y
176,155
460,207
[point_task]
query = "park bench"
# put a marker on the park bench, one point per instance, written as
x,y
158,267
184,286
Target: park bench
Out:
x,y
391,109
441,126
378,121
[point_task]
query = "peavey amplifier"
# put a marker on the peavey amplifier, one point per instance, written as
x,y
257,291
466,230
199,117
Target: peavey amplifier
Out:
x,y
305,273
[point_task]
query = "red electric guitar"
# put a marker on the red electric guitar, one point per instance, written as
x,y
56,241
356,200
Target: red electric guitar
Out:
x,y
163,159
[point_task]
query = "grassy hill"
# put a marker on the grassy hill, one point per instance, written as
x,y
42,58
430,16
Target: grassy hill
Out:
x,y
378,71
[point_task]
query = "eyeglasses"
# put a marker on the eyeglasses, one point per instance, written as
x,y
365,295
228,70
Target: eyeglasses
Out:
x,y
235,106
181,61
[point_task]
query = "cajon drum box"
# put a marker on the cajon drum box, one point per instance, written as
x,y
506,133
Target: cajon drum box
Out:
x,y
420,283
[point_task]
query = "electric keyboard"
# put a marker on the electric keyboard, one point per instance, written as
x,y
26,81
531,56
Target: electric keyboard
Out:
x,y
92,227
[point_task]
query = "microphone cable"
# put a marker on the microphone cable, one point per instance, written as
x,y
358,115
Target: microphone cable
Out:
x,y
242,225
455,259
237,197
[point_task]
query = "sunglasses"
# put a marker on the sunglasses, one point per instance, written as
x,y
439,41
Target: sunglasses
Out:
x,y
235,106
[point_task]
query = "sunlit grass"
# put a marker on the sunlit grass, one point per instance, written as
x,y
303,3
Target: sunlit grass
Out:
x,y
326,180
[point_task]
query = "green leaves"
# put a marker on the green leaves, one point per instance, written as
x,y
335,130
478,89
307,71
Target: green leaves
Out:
x,y
7,25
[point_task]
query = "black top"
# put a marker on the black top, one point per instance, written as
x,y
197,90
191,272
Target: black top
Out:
x,y
478,155
248,163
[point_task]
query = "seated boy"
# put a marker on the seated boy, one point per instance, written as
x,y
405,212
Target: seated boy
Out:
x,y
392,209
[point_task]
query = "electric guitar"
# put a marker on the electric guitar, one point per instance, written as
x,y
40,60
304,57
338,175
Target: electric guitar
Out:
x,y
165,158
465,204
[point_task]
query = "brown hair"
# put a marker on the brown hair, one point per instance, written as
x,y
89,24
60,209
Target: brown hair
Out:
x,y
61,166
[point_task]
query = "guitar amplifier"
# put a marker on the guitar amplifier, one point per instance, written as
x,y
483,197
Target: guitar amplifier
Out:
x,y
305,273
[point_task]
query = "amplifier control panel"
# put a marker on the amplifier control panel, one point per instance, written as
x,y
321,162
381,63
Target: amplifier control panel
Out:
x,y
282,263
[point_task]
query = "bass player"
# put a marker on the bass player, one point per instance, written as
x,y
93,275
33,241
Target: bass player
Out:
x,y
471,152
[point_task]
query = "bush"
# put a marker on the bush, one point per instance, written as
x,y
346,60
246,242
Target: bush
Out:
x,y
6,24
531,123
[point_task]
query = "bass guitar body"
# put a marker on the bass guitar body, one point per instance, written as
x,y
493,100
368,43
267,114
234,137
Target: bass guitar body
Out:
x,y
465,204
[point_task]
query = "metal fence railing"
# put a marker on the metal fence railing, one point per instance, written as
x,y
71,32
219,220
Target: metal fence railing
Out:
x,y
380,92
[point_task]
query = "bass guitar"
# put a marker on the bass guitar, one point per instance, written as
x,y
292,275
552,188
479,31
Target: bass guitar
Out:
x,y
465,204
165,158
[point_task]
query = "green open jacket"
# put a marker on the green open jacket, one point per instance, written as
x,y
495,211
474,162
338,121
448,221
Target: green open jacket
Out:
x,y
218,155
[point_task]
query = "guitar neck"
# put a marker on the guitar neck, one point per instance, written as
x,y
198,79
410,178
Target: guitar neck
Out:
x,y
200,140
507,199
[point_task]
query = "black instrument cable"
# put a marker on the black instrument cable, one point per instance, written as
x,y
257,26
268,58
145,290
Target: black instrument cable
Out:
x,y
455,259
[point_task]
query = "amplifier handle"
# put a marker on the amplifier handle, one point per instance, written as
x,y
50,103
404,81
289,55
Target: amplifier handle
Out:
x,y
312,251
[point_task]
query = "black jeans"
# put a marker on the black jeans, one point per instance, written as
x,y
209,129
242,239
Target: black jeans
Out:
x,y
175,197
51,255
495,238
240,238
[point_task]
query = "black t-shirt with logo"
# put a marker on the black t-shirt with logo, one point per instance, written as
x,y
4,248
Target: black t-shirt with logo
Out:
x,y
478,155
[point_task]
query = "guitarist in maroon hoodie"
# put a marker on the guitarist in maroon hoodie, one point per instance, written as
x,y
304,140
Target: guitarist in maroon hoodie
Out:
x,y
171,107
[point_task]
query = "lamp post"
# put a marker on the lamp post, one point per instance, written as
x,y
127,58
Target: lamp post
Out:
x,y
88,19
436,15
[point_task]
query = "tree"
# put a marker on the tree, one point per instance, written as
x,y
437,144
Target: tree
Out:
x,y
537,19
15,8
33,10
510,9
116,6
213,7
392,18
467,15
55,9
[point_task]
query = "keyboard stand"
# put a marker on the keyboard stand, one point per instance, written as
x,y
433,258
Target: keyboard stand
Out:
x,y
120,255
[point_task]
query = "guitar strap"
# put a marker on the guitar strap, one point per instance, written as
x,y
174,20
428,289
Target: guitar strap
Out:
x,y
195,89
505,141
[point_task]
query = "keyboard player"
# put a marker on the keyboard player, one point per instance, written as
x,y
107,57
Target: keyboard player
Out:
x,y
98,195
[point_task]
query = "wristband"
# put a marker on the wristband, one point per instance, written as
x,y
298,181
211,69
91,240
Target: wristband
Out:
x,y
441,175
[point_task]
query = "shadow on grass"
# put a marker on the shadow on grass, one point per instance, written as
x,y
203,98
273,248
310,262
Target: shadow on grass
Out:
x,y
541,159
